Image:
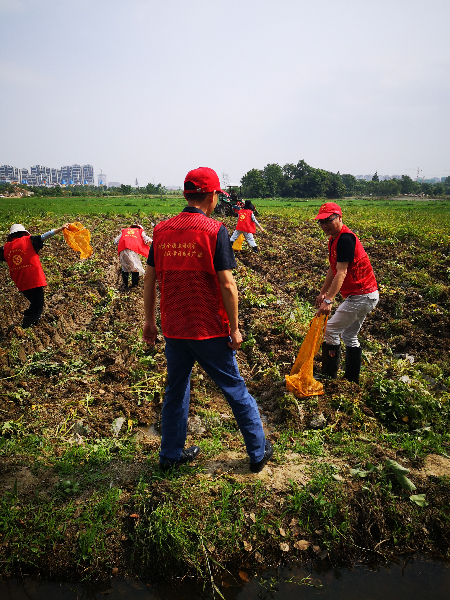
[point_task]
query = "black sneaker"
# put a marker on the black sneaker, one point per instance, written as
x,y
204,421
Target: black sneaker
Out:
x,y
259,466
187,456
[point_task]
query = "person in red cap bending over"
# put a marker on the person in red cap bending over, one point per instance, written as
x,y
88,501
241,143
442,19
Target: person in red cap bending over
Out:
x,y
131,242
191,258
21,255
350,273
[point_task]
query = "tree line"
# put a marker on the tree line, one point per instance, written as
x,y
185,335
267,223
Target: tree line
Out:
x,y
304,181
84,190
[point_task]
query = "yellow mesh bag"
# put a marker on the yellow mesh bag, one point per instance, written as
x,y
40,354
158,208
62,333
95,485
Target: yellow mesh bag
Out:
x,y
237,244
301,381
78,238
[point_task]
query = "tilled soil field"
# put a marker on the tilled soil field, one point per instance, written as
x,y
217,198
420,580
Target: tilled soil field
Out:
x,y
82,380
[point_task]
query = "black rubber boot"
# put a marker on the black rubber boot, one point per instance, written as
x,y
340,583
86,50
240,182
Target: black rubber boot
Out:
x,y
331,357
352,363
28,322
254,248
134,279
125,279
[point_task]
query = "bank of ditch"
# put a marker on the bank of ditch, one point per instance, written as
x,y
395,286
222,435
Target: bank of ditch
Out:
x,y
81,493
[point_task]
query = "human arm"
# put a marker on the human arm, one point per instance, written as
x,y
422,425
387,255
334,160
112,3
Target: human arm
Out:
x,y
147,239
150,330
257,224
331,287
52,232
228,290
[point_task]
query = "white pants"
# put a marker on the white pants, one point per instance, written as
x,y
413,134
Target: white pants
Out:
x,y
348,319
248,236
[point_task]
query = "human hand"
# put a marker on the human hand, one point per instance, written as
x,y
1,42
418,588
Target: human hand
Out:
x,y
236,340
324,309
319,300
149,332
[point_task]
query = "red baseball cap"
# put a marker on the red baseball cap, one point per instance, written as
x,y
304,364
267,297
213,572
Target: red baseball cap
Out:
x,y
328,209
204,181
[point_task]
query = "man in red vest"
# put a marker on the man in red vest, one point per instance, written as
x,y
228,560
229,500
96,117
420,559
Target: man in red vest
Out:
x,y
350,273
191,259
131,242
21,255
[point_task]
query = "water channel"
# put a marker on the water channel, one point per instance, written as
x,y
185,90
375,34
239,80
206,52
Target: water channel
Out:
x,y
410,578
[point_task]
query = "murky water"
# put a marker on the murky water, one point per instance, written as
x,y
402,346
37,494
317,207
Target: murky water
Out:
x,y
409,579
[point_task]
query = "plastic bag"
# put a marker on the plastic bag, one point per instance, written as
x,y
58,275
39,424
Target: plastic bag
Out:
x,y
237,244
78,238
301,381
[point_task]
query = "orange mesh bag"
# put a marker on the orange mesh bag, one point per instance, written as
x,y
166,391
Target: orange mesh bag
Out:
x,y
78,238
237,244
301,381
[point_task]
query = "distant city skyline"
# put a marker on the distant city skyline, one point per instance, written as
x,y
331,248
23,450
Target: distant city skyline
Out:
x,y
41,175
84,175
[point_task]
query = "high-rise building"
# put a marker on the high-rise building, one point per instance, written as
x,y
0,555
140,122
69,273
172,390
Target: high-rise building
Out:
x,y
9,174
40,175
101,178
88,174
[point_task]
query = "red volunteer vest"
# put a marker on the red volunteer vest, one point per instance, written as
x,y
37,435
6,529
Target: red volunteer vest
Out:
x,y
191,303
24,265
360,278
245,222
131,239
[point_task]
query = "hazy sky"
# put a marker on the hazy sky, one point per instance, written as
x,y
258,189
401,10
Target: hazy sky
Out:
x,y
153,88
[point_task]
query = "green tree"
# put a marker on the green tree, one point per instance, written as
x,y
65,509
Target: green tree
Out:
x,y
274,179
125,190
253,184
390,187
408,186
350,182
375,177
335,187
426,188
438,189
316,183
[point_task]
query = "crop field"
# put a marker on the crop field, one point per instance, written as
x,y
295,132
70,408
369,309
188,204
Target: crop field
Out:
x,y
81,495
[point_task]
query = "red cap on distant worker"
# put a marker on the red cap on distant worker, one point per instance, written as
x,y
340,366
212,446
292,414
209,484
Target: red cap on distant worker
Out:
x,y
204,181
328,209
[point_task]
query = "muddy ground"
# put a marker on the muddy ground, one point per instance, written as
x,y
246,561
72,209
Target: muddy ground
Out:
x,y
84,365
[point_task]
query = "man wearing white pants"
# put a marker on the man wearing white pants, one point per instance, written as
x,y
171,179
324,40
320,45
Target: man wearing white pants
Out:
x,y
350,273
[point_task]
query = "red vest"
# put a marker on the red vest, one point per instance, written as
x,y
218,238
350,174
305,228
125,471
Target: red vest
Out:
x,y
191,303
131,239
245,222
24,264
360,278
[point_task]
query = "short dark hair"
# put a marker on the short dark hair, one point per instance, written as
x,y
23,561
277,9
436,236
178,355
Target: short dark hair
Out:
x,y
193,195
15,235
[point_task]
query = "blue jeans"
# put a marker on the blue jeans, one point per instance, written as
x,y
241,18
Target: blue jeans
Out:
x,y
219,362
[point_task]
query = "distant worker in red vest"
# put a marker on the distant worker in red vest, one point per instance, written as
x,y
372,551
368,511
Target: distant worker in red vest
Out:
x,y
192,260
350,273
21,255
247,225
131,242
